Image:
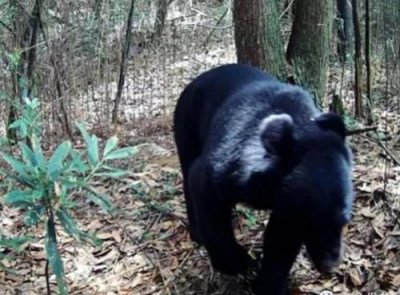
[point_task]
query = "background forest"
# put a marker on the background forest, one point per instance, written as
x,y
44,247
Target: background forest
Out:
x,y
90,182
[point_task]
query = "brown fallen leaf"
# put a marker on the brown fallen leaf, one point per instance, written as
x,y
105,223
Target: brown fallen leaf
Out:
x,y
117,236
396,281
105,236
355,277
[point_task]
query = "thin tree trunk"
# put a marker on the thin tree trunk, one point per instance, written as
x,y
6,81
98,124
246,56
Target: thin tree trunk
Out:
x,y
98,5
21,40
34,22
257,35
357,61
310,44
31,57
64,118
345,30
161,14
368,61
396,12
99,35
124,61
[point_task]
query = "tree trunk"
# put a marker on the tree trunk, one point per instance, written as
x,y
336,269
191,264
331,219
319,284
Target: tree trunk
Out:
x,y
25,28
34,23
257,35
357,60
161,14
98,5
100,36
310,43
397,36
345,29
63,118
368,61
124,61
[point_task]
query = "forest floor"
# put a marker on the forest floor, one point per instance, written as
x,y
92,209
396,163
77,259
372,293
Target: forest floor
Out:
x,y
146,247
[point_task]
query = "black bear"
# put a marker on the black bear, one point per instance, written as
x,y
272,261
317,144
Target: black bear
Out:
x,y
245,137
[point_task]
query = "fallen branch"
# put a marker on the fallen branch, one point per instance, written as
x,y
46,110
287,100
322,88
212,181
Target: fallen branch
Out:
x,y
388,152
359,131
286,9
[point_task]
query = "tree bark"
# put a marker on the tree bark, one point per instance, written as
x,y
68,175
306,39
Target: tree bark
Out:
x,y
124,61
98,5
161,14
357,60
34,23
257,35
25,27
345,29
368,61
63,118
310,44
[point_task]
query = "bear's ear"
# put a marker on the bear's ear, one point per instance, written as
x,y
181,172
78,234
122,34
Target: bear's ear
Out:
x,y
333,122
276,133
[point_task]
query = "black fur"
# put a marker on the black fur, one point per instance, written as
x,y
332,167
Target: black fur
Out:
x,y
243,136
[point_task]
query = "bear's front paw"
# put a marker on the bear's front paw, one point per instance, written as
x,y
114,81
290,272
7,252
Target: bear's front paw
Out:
x,y
233,262
195,236
264,286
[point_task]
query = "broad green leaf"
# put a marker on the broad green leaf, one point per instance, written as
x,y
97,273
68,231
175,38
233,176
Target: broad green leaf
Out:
x,y
92,239
77,163
21,125
33,215
35,103
26,181
23,199
27,154
14,243
15,124
84,133
4,141
37,150
122,153
100,199
251,218
54,258
24,130
55,163
113,174
107,168
72,182
93,150
91,145
111,144
65,201
14,59
68,223
18,166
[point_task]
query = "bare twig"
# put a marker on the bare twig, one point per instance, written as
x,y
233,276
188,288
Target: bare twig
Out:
x,y
388,152
47,275
286,9
8,28
216,26
361,130
64,120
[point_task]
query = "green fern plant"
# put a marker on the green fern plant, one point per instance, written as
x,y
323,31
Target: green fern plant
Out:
x,y
43,186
